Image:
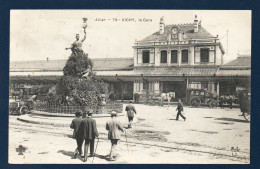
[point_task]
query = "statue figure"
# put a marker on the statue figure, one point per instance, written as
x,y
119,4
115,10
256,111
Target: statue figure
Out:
x,y
76,46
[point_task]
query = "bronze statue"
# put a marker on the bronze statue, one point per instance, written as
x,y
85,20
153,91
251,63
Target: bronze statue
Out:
x,y
76,47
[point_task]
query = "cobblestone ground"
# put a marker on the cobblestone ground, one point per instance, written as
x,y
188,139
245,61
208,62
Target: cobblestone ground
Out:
x,y
207,136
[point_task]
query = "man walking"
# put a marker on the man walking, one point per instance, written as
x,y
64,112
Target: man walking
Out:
x,y
113,126
77,132
90,133
180,109
131,111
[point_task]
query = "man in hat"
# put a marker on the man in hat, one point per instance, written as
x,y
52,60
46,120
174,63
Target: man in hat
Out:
x,y
131,111
113,126
77,132
90,133
180,109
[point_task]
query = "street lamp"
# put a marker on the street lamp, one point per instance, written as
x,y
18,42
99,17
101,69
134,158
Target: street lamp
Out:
x,y
85,22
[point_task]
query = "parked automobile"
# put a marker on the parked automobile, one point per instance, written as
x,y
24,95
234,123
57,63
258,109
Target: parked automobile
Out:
x,y
21,106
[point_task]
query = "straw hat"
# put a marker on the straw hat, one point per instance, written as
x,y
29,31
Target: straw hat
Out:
x,y
113,113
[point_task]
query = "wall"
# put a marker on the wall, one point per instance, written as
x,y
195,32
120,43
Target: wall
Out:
x,y
218,55
193,55
211,55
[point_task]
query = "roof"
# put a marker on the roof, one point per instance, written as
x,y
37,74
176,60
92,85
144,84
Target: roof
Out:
x,y
58,65
187,29
149,72
234,72
181,71
241,61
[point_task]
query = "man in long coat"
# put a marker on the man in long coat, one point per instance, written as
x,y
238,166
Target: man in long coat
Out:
x,y
131,111
90,132
113,126
77,132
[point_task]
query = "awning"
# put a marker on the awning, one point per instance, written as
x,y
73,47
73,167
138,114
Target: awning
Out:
x,y
234,72
176,71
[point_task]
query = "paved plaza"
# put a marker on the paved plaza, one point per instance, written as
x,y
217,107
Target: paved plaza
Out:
x,y
207,136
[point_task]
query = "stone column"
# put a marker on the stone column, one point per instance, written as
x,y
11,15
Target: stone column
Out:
x,y
179,56
157,57
218,88
168,57
135,57
156,87
191,55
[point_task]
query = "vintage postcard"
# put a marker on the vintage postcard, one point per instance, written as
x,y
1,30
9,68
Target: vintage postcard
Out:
x,y
129,87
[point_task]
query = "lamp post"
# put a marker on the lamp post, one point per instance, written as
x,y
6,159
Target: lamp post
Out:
x,y
85,23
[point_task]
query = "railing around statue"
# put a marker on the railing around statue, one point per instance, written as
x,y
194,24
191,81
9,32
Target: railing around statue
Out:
x,y
62,109
57,108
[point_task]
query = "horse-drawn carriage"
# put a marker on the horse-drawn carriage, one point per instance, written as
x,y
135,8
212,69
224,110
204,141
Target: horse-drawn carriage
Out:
x,y
160,98
245,104
198,97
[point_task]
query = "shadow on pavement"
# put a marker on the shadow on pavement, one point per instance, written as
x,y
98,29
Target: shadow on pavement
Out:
x,y
106,157
172,119
70,154
231,119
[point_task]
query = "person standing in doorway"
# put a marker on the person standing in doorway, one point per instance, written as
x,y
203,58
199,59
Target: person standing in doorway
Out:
x,y
131,111
180,109
136,97
113,126
77,132
90,132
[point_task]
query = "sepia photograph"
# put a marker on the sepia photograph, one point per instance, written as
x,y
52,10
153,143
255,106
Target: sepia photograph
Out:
x,y
129,87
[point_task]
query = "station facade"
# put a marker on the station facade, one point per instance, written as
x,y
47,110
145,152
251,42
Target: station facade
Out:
x,y
173,59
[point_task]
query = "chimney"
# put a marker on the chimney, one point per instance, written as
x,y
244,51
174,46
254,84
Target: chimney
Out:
x,y
169,37
161,26
196,24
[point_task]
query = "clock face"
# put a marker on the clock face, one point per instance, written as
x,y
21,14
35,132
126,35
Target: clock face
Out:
x,y
174,31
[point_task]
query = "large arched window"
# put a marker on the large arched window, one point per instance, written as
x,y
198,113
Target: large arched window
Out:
x,y
146,56
164,56
184,56
174,56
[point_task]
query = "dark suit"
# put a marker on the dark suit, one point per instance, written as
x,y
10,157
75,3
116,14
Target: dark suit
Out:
x,y
90,133
77,133
180,109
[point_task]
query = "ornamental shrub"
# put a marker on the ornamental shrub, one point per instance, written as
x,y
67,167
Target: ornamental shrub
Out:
x,y
79,85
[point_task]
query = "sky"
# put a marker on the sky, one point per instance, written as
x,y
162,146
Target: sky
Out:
x,y
38,34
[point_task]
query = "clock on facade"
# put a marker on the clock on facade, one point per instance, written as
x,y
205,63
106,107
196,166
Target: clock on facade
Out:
x,y
174,31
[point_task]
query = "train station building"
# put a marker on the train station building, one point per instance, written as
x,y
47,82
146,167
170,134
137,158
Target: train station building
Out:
x,y
173,59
